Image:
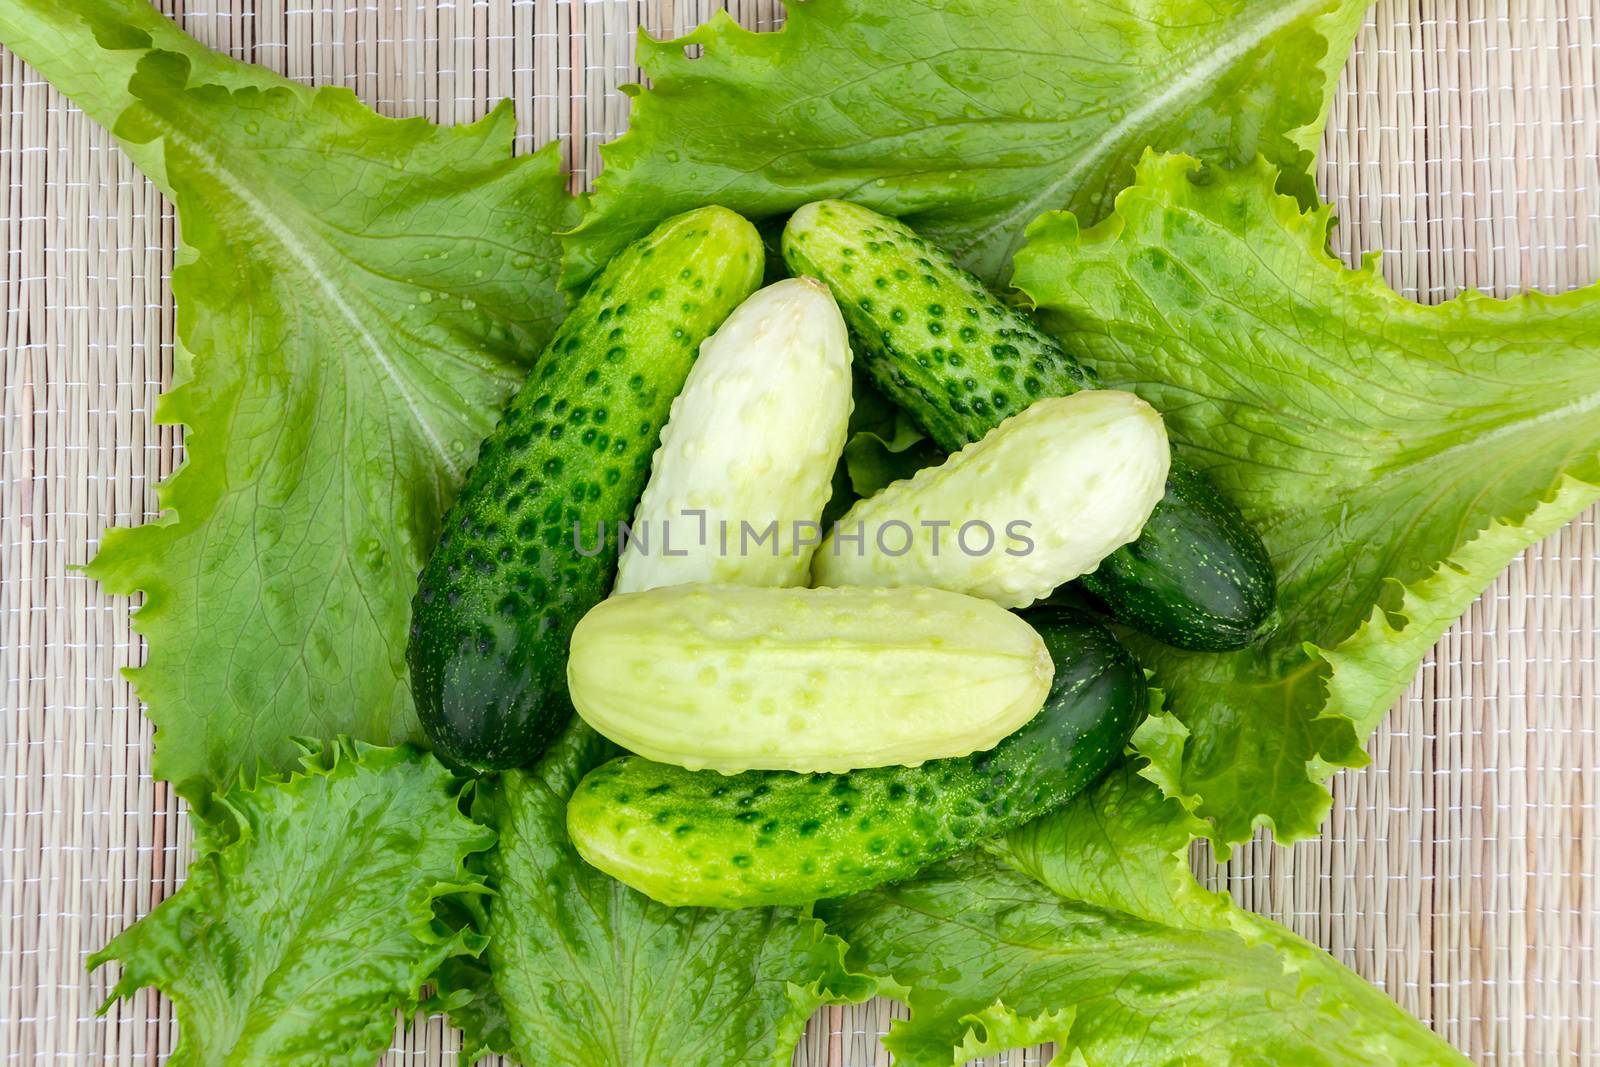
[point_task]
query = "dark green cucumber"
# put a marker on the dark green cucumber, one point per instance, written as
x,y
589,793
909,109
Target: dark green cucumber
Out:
x,y
1196,551
497,601
773,837
961,361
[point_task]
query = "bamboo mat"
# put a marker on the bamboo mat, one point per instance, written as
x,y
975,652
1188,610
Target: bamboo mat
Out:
x,y
1459,871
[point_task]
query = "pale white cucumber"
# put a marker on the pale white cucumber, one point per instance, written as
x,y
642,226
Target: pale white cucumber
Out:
x,y
736,678
1038,501
746,460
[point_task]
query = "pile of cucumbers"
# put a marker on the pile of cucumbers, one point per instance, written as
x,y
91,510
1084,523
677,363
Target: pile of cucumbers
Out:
x,y
812,712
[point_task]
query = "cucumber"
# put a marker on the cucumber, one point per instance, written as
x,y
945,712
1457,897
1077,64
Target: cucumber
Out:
x,y
960,361
740,451
1041,499
1196,551
733,677
503,589
766,837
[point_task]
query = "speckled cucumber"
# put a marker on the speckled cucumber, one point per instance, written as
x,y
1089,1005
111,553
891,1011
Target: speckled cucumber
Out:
x,y
497,601
961,361
1198,576
766,837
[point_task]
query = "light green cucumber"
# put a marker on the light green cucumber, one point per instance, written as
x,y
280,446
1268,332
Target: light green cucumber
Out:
x,y
499,597
766,837
1042,499
732,678
750,449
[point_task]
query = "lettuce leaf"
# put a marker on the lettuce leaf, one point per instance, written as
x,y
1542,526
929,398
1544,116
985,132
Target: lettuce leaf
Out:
x,y
964,117
463,986
307,919
588,972
356,296
885,444
1393,456
993,959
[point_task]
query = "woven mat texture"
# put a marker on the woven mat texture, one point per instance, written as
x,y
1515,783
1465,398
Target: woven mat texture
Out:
x,y
1459,871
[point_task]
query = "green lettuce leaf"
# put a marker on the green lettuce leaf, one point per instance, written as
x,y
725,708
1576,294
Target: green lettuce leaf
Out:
x,y
885,444
463,987
1393,456
965,117
307,919
993,959
588,972
356,296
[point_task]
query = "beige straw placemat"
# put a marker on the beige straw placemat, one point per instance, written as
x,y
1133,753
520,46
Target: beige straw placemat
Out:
x,y
1458,871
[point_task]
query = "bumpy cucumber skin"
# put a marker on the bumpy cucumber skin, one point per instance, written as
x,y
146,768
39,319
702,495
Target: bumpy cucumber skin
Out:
x,y
733,677
497,601
754,438
960,361
933,338
767,837
1083,471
